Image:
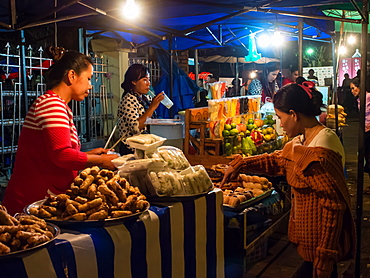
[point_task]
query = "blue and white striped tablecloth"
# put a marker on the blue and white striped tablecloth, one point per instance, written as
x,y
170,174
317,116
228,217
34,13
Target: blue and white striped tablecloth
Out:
x,y
184,239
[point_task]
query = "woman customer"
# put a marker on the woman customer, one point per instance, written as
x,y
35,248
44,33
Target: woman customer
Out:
x,y
135,106
321,225
48,155
267,84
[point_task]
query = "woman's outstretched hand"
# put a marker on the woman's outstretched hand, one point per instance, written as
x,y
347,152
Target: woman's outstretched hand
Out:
x,y
232,171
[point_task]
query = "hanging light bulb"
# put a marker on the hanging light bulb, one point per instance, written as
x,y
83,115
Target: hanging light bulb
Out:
x,y
264,40
252,75
351,39
130,9
278,38
342,50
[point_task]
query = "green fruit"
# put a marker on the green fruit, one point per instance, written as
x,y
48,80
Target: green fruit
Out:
x,y
225,133
270,122
269,117
227,127
235,149
233,126
265,121
247,133
250,127
234,132
228,146
250,121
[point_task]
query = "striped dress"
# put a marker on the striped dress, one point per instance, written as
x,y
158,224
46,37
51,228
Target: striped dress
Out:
x,y
48,155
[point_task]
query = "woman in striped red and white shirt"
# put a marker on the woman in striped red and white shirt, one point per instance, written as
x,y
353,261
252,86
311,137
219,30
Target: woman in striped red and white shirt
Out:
x,y
49,155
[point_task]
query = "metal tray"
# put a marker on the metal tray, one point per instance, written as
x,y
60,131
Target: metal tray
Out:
x,y
55,230
175,198
249,202
70,224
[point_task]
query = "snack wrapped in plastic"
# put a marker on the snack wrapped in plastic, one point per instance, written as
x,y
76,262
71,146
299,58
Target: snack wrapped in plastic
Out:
x,y
174,157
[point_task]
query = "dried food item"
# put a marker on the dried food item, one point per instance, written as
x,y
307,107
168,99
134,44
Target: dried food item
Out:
x,y
214,175
21,232
94,195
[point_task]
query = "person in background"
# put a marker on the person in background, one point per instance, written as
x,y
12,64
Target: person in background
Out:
x,y
266,85
348,100
321,225
48,155
135,106
311,75
356,90
203,98
292,77
235,89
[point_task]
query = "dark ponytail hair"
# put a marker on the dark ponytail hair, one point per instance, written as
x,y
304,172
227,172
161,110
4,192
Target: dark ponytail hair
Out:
x,y
71,60
134,73
294,97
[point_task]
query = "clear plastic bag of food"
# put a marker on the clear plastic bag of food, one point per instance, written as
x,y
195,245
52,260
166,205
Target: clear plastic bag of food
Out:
x,y
141,164
166,182
174,157
196,180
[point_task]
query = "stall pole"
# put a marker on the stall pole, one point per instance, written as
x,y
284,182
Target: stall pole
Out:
x,y
237,88
23,75
361,137
82,48
300,47
196,66
171,72
334,97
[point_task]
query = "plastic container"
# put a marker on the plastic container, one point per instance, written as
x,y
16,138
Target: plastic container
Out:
x,y
165,182
174,157
141,164
145,147
138,179
196,180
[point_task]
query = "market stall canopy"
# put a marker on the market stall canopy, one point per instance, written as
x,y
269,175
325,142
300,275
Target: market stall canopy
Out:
x,y
232,59
191,24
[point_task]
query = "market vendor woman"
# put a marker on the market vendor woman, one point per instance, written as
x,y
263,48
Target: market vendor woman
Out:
x,y
49,156
135,106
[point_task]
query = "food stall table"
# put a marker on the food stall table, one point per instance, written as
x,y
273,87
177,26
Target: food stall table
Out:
x,y
182,239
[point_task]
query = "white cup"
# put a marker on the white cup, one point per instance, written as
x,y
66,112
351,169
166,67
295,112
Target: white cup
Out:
x,y
166,101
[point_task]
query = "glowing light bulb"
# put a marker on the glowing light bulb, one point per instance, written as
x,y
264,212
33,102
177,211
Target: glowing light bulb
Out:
x,y
252,75
278,38
264,40
351,39
310,51
342,50
130,9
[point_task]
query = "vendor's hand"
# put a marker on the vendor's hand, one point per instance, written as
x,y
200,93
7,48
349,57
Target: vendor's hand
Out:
x,y
229,172
157,100
98,151
107,161
232,171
